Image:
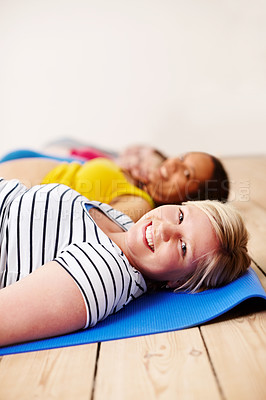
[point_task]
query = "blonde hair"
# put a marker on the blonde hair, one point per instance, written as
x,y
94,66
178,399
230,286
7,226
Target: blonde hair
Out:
x,y
230,260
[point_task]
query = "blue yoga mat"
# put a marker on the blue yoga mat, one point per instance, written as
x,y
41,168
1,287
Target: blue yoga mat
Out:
x,y
27,153
157,312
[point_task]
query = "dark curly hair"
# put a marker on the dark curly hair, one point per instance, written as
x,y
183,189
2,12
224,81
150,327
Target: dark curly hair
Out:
x,y
216,188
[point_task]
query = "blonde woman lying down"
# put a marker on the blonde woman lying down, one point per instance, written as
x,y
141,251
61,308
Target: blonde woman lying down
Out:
x,y
67,263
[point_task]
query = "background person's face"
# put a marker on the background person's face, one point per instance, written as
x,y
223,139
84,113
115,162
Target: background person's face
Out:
x,y
176,179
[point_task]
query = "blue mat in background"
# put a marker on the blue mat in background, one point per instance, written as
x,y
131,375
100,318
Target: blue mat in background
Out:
x,y
155,313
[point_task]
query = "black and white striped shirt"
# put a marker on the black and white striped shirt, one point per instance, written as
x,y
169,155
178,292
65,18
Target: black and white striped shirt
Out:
x,y
51,222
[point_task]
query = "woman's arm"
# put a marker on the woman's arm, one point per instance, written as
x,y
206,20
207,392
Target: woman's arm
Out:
x,y
29,171
45,303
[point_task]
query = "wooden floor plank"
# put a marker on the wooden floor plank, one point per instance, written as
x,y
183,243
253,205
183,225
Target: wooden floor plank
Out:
x,y
246,167
248,192
255,219
237,348
163,366
65,373
248,178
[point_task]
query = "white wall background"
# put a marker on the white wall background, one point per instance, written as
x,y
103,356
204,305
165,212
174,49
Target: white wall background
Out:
x,y
180,75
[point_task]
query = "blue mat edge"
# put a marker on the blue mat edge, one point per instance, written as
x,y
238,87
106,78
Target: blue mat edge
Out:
x,y
81,337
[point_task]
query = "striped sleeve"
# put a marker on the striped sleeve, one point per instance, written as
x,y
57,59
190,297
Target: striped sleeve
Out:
x,y
9,189
101,277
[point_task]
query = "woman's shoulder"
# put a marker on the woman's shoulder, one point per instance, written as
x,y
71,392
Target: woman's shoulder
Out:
x,y
9,190
120,218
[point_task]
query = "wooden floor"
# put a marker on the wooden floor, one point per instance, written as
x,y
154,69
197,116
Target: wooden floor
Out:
x,y
222,360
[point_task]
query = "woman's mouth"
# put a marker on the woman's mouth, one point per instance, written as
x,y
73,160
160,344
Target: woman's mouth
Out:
x,y
149,237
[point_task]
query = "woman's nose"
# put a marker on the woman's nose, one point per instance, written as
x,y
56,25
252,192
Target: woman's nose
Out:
x,y
169,167
169,231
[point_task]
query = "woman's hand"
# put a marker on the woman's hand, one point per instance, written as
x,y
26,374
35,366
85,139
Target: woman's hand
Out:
x,y
140,162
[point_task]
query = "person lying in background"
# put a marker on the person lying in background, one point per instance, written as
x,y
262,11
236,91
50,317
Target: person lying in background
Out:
x,y
141,162
67,263
134,183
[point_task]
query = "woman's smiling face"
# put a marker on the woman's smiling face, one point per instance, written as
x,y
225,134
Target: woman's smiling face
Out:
x,y
166,242
178,179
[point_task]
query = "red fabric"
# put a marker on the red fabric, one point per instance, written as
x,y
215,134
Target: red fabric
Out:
x,y
88,153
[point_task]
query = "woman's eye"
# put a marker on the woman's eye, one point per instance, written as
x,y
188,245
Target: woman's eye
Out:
x,y
181,216
184,248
